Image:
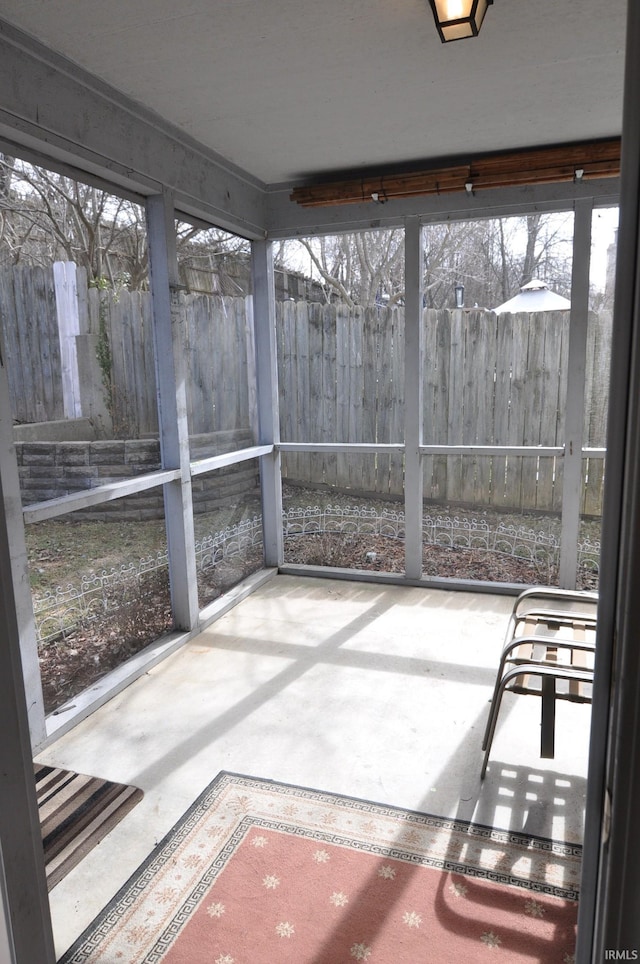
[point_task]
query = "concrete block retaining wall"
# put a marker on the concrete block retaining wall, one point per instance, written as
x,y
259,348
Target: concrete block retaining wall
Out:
x,y
49,470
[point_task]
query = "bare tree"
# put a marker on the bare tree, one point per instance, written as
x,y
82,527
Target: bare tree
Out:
x,y
212,261
46,217
49,217
363,268
492,258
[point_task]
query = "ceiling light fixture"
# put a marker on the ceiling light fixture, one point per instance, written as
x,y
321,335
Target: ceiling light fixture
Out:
x,y
457,19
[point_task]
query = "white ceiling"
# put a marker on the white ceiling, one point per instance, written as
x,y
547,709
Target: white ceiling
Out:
x,y
287,89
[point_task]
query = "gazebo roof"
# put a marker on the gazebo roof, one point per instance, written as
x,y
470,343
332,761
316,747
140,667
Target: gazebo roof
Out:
x,y
534,296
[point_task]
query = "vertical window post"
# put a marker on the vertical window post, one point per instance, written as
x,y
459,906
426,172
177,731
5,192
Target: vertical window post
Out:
x,y
574,411
24,901
264,319
172,409
413,398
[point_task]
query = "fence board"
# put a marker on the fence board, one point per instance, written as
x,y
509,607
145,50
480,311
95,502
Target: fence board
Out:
x,y
596,407
144,367
358,463
45,341
343,374
383,407
477,404
196,337
599,335
431,381
502,406
563,366
329,388
440,426
519,362
129,321
301,373
234,380
455,380
374,395
287,388
9,333
396,408
553,388
242,364
26,306
316,424
118,323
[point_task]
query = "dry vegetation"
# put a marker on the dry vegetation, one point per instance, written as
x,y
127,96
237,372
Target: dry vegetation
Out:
x,y
133,616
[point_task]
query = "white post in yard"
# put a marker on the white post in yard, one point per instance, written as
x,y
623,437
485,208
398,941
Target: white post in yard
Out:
x,y
64,280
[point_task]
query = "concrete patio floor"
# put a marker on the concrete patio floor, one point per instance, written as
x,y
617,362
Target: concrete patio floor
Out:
x,y
378,692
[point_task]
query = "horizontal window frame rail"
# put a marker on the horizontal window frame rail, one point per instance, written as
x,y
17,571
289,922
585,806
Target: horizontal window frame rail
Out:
x,y
399,579
286,221
527,450
51,509
382,447
531,450
356,447
229,458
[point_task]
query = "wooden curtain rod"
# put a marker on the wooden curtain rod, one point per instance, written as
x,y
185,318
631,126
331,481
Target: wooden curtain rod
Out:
x,y
546,166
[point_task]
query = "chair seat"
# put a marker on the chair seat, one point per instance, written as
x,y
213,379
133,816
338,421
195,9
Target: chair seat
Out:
x,y
571,684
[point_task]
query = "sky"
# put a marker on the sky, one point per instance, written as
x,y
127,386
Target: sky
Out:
x,y
605,222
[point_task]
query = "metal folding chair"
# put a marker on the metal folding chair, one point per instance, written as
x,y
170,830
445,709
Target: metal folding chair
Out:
x,y
548,652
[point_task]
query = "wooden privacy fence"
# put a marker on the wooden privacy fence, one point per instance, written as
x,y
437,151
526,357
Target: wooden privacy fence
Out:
x,y
487,380
31,343
109,373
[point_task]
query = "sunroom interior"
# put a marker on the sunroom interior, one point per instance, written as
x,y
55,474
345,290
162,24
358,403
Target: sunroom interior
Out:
x,y
278,126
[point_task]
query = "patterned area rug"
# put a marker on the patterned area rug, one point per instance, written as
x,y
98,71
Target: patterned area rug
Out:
x,y
76,813
265,873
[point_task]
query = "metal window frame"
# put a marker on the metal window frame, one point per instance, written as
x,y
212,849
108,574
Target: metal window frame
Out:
x,y
573,451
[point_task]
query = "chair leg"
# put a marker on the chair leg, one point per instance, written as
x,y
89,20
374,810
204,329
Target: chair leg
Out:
x,y
492,705
492,709
491,726
548,718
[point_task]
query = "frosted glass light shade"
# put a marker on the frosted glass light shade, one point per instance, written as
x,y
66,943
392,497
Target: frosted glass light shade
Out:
x,y
457,19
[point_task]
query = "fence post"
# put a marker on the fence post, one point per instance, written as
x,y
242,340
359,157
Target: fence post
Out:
x,y
413,342
172,409
574,411
64,280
